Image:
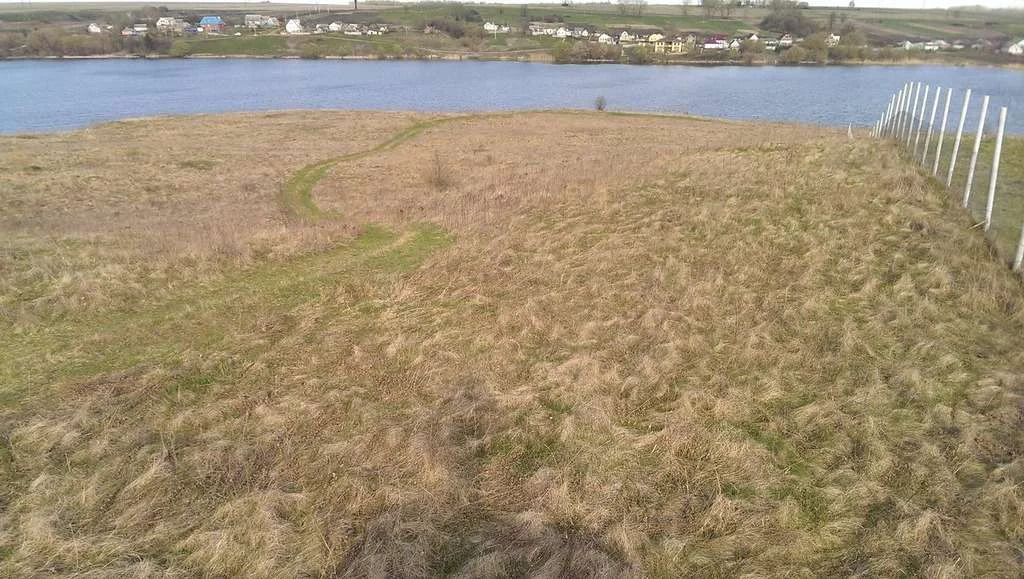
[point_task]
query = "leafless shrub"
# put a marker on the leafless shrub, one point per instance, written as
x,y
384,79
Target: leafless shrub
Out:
x,y
439,175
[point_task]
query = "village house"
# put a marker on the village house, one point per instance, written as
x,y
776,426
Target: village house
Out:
x,y
94,28
786,41
1016,48
605,39
493,28
294,26
212,24
920,46
716,43
255,21
336,27
169,24
352,29
677,45
625,36
321,28
832,40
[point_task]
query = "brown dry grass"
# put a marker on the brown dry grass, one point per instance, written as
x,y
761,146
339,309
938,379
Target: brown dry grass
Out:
x,y
644,346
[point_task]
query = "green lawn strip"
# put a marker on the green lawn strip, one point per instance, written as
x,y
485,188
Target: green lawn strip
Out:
x,y
1008,209
201,316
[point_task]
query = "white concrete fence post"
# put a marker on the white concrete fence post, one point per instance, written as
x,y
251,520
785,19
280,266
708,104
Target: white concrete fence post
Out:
x,y
974,153
888,116
913,115
899,111
906,111
942,133
931,125
920,121
995,169
891,121
959,134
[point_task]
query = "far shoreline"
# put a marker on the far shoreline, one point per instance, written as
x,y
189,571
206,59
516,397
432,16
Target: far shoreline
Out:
x,y
529,57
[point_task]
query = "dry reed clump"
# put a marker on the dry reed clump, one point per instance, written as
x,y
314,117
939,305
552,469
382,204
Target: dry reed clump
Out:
x,y
738,360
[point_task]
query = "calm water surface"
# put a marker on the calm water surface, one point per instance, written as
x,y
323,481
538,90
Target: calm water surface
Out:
x,y
58,95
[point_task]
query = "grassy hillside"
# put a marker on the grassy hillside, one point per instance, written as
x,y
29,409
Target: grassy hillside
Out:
x,y
887,24
59,29
581,344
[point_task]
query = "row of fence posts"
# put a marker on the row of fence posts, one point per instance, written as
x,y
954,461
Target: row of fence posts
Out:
x,y
898,123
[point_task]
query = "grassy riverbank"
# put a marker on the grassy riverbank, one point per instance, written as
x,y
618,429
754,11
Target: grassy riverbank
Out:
x,y
500,344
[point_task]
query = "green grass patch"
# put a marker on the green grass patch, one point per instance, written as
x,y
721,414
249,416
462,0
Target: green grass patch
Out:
x,y
1008,208
525,454
203,316
197,164
261,45
554,405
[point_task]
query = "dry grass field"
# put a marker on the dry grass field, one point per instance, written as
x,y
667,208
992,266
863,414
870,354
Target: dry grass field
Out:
x,y
580,344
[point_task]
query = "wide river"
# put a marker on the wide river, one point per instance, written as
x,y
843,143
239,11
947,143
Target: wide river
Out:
x,y
60,95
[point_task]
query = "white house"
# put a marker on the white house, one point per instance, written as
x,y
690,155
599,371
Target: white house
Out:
x,y
562,32
1016,49
336,27
605,39
490,27
255,21
140,28
754,37
833,40
716,44
95,29
656,37
786,40
625,36
293,26
352,30
168,24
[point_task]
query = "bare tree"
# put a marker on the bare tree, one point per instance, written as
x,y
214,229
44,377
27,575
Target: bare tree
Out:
x,y
711,7
634,7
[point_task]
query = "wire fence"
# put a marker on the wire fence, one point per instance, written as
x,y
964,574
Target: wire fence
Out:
x,y
983,169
